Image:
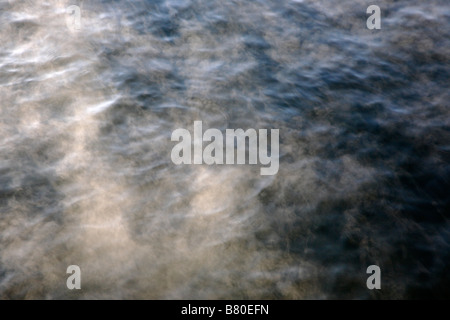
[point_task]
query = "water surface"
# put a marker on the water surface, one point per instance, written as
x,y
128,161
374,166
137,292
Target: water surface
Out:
x,y
86,176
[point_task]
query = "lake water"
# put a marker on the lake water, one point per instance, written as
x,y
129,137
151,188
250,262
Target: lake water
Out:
x,y
86,178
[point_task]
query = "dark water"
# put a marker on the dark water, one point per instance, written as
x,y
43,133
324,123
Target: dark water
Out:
x,y
86,176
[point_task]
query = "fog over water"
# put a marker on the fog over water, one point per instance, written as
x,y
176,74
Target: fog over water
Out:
x,y
86,176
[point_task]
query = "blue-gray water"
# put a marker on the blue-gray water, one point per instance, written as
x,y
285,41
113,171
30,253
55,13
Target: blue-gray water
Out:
x,y
86,176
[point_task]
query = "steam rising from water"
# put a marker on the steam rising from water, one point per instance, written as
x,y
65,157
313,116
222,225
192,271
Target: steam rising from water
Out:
x,y
86,176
